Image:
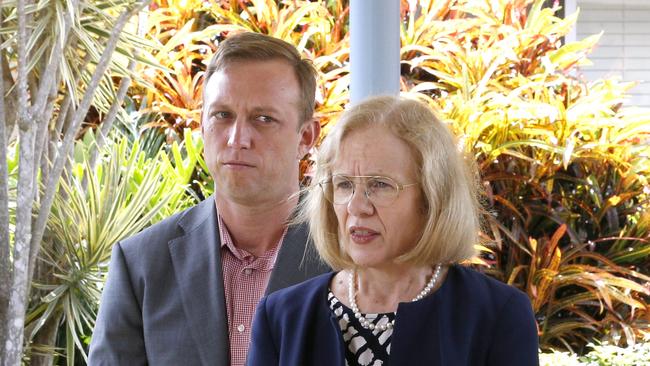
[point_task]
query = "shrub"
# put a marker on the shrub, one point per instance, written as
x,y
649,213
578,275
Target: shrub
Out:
x,y
95,208
601,355
565,167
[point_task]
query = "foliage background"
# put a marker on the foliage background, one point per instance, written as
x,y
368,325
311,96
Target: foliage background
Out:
x,y
564,163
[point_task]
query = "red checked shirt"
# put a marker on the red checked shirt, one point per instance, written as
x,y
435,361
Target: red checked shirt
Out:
x,y
244,281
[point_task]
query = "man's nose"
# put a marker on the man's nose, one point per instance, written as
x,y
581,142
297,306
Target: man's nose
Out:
x,y
239,136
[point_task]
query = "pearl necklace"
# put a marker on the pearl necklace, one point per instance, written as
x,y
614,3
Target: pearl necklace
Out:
x,y
363,321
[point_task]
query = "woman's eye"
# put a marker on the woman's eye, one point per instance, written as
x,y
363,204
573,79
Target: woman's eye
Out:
x,y
343,185
379,184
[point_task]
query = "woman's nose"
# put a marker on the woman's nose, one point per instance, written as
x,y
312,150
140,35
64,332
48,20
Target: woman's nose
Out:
x,y
360,203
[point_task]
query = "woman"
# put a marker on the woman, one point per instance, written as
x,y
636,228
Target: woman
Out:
x,y
393,209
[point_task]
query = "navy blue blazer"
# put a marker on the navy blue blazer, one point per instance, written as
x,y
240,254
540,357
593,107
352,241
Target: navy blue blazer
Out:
x,y
471,320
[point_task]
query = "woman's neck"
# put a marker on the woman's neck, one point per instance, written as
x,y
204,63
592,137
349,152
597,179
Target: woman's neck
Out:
x,y
380,290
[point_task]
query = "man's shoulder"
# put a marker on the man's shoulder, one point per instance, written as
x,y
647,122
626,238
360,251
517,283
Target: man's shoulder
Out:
x,y
159,234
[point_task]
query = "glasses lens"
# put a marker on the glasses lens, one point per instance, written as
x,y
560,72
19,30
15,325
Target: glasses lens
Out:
x,y
382,191
342,189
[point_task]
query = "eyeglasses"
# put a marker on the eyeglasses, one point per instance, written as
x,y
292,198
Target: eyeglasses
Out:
x,y
381,191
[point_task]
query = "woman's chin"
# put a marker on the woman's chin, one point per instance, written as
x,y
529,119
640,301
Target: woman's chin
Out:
x,y
368,262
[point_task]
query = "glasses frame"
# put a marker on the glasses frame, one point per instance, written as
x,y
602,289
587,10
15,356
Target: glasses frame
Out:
x,y
354,179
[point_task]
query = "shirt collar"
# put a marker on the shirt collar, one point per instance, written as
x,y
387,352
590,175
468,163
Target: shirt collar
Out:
x,y
264,262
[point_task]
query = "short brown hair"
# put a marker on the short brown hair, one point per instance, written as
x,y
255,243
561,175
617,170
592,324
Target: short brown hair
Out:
x,y
448,182
249,46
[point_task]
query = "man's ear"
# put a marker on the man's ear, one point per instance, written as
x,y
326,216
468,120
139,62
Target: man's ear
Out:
x,y
201,123
309,134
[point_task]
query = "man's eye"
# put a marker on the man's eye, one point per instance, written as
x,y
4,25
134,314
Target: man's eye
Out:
x,y
221,115
265,119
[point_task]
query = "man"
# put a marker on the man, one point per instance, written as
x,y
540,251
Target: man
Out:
x,y
183,292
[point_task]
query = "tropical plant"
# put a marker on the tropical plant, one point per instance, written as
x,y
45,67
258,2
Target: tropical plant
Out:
x,y
97,207
171,87
564,165
57,62
601,355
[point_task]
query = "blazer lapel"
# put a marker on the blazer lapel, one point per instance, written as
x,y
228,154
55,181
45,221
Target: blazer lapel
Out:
x,y
197,264
297,261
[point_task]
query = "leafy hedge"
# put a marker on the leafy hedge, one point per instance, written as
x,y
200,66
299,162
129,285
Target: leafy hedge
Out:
x,y
601,355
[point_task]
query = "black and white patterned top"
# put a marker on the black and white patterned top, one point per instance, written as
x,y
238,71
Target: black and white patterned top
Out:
x,y
365,347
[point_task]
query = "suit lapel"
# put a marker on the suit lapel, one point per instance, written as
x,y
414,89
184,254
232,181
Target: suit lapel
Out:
x,y
197,264
296,261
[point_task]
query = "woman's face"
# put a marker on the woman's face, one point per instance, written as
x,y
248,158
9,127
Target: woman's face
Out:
x,y
374,234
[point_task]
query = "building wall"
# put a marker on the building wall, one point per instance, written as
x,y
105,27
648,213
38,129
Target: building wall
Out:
x,y
624,49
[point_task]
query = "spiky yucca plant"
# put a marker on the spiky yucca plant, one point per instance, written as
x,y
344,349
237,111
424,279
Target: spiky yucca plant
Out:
x,y
97,207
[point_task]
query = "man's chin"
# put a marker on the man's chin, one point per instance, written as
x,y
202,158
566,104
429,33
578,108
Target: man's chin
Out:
x,y
245,194
252,190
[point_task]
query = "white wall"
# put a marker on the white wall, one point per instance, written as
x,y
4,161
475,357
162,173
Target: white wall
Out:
x,y
624,48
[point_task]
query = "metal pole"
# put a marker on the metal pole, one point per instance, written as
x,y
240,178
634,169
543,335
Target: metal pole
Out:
x,y
375,47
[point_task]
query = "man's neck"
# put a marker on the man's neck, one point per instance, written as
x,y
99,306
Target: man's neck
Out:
x,y
255,228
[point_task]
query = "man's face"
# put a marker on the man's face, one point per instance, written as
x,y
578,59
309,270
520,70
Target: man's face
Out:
x,y
250,127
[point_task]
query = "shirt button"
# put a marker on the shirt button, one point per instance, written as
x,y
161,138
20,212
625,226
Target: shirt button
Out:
x,y
248,271
240,328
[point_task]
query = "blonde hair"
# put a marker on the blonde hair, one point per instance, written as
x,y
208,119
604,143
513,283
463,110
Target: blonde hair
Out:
x,y
448,182
249,46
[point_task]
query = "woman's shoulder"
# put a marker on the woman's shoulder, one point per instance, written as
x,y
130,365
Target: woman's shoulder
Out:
x,y
298,294
481,288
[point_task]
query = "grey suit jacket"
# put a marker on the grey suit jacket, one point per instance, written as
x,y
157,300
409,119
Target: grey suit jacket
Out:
x,y
163,302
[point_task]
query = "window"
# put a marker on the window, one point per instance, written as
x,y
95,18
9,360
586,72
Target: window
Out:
x,y
624,49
